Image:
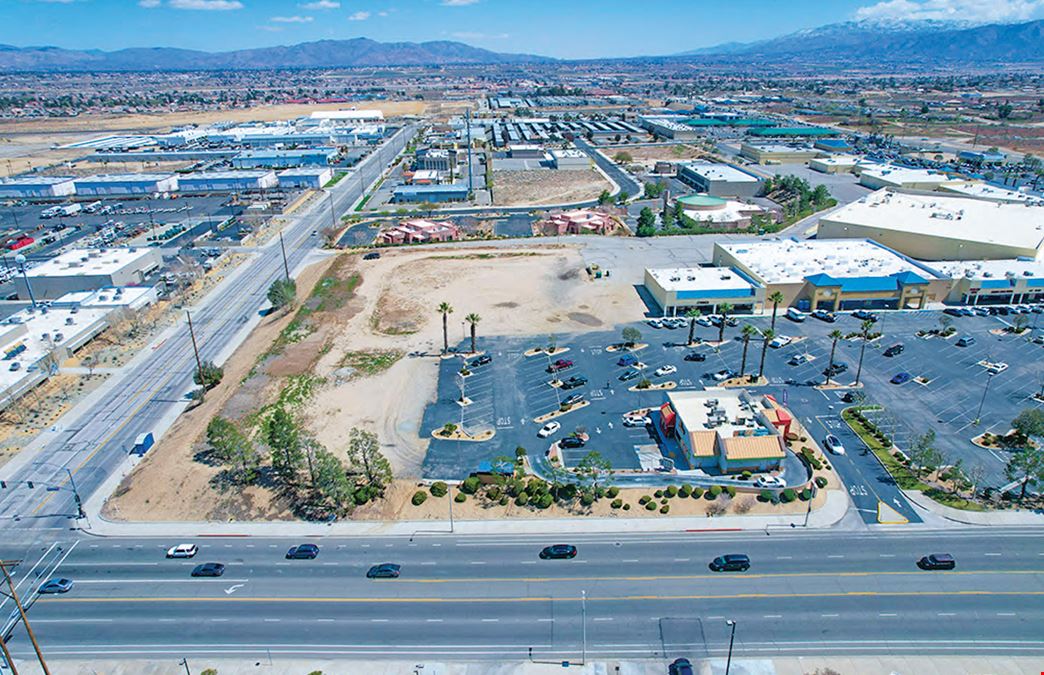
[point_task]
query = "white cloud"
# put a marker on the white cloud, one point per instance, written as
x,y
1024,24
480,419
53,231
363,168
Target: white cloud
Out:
x,y
321,4
359,16
291,19
209,5
148,4
974,11
57,2
458,3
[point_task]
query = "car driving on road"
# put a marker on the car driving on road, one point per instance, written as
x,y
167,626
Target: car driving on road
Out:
x,y
558,552
56,586
733,562
833,444
303,552
894,350
548,429
384,571
183,551
937,561
571,442
210,569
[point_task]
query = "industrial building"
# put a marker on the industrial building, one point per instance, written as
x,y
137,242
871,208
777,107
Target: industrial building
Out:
x,y
305,177
777,153
720,180
833,163
273,159
676,290
525,151
22,187
793,132
143,156
86,270
939,227
668,126
835,274
450,192
718,212
880,176
348,115
832,145
570,159
228,181
436,159
126,184
991,193
994,282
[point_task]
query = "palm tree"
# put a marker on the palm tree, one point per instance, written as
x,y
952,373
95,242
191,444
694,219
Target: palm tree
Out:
x,y
834,335
692,315
766,338
445,309
867,325
747,332
775,299
723,309
473,319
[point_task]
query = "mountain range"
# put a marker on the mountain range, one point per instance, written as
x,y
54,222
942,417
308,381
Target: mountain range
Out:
x,y
867,42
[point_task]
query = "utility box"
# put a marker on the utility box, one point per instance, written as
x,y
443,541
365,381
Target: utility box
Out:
x,y
142,443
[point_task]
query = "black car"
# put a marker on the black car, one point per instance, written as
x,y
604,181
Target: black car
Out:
x,y
695,356
571,442
894,350
384,571
849,397
481,361
558,552
733,562
303,552
572,399
835,369
374,255
628,375
952,311
210,569
937,561
574,382
680,667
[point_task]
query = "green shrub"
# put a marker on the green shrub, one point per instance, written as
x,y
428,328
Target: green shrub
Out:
x,y
671,491
658,494
821,481
613,491
599,492
504,500
685,490
209,671
714,492
650,506
460,498
545,500
745,475
419,497
765,496
643,499
587,499
627,507
805,494
664,500
470,485
522,499
616,503
493,492
665,508
438,489
731,490
520,452
787,496
697,493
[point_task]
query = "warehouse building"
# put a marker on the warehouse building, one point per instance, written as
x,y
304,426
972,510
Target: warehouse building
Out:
x,y
720,180
525,151
668,126
305,177
87,269
436,159
228,181
450,192
880,176
255,159
348,116
834,163
22,187
835,274
679,289
570,159
126,184
991,193
143,156
938,227
777,153
793,132
832,145
718,212
994,282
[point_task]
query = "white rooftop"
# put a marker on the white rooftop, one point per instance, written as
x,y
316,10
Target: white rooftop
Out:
x,y
306,171
732,409
126,178
347,115
838,160
721,172
93,262
772,148
37,180
989,269
698,278
789,262
211,175
1017,225
568,153
44,331
730,212
980,190
901,175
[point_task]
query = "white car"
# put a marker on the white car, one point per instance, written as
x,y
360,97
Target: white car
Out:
x,y
665,370
770,482
635,420
655,323
704,321
548,429
996,368
183,551
833,444
779,342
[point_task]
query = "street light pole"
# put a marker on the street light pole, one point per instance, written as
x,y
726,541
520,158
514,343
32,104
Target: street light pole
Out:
x,y
286,268
985,390
20,261
732,638
199,364
184,662
583,624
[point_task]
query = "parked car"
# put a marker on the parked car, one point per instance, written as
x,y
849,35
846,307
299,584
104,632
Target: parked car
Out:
x,y
798,359
833,444
548,429
722,375
980,311
61,585
680,667
558,552
965,341
779,342
635,420
952,311
695,356
894,350
571,442
574,382
655,323
384,571
627,360
704,321
628,375
573,399
665,370
373,255
770,482
937,561
796,315
901,378
210,569
733,562
560,364
481,361
835,368
865,315
183,551
824,315
996,368
303,552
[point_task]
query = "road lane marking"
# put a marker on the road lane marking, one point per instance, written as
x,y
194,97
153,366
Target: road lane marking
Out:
x,y
772,616
829,616
1005,613
886,614
946,614
490,620
603,618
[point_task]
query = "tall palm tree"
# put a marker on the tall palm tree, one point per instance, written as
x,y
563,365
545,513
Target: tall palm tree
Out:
x,y
445,310
766,338
747,332
775,299
692,315
473,319
834,335
723,309
866,326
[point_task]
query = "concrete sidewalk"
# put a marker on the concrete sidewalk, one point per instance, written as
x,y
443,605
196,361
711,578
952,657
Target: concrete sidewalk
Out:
x,y
1002,518
835,508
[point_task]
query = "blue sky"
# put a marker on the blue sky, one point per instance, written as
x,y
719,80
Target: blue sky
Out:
x,y
561,28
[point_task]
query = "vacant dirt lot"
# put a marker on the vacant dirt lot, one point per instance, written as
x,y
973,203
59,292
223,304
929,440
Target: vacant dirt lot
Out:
x,y
521,188
649,154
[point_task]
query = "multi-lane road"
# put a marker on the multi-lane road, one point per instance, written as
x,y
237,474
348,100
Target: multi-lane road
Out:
x,y
93,446
492,598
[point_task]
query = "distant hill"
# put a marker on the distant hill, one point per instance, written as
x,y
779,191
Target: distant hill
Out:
x,y
890,42
321,54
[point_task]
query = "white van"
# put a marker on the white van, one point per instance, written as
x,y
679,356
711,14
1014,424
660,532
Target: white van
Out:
x,y
796,315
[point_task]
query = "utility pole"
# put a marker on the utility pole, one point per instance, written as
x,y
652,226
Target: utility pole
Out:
x,y
986,389
7,657
199,364
20,260
583,626
286,268
21,612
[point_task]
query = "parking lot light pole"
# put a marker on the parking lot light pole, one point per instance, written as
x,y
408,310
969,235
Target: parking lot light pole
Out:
x,y
732,638
985,390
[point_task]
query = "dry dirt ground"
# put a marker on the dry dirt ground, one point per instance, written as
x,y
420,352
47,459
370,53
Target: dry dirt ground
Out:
x,y
390,311
520,188
649,154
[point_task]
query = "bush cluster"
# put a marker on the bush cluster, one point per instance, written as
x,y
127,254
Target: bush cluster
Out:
x,y
419,497
821,481
438,489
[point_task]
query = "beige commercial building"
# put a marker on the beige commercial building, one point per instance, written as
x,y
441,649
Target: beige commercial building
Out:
x,y
777,153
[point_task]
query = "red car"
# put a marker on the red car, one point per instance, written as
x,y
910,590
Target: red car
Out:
x,y
560,364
